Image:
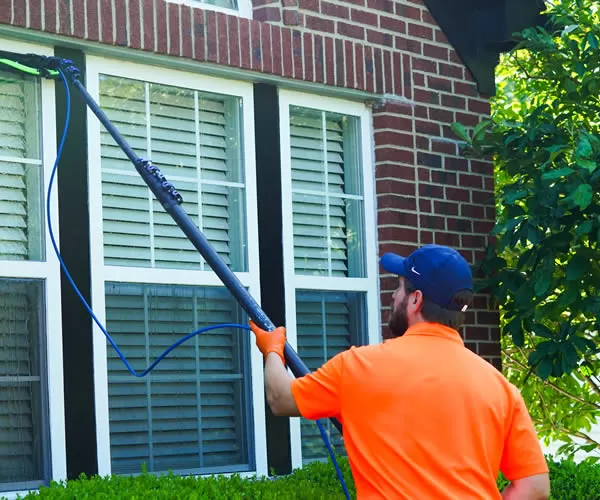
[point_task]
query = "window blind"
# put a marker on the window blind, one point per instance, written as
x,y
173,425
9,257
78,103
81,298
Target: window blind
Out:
x,y
191,412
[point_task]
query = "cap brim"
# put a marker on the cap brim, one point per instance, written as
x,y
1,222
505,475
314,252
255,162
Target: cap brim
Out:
x,y
393,263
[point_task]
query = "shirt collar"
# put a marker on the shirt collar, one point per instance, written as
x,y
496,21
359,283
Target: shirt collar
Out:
x,y
434,330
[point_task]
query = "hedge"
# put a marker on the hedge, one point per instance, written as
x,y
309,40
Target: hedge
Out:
x,y
570,481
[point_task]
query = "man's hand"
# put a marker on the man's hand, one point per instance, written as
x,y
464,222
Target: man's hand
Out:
x,y
270,341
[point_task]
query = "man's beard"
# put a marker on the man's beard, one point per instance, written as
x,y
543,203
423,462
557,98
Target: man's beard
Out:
x,y
398,322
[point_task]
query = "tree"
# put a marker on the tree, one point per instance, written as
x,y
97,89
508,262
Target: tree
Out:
x,y
543,265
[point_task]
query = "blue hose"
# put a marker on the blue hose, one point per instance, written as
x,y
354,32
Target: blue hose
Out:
x,y
97,321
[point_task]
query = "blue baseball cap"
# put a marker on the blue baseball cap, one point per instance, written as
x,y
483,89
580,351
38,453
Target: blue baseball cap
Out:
x,y
438,271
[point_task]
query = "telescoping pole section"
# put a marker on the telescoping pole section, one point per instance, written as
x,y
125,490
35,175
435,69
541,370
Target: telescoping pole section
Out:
x,y
170,199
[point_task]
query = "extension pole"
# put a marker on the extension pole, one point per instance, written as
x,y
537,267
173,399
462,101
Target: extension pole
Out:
x,y
170,199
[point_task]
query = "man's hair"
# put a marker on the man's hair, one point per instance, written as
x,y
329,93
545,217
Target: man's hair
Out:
x,y
437,314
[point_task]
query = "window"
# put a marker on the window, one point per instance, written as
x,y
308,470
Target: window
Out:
x,y
243,7
331,269
194,412
32,447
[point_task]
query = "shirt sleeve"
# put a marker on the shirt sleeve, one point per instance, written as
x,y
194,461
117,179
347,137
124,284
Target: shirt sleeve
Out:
x,y
522,455
318,394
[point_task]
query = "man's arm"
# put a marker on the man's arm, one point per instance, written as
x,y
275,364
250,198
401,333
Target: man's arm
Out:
x,y
278,383
528,488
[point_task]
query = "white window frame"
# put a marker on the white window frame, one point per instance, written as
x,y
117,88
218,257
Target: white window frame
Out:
x,y
244,7
368,284
47,271
102,274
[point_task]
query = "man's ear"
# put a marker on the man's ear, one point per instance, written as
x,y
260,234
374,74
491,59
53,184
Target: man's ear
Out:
x,y
415,302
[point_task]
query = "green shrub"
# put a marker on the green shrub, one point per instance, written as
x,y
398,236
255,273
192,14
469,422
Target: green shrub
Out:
x,y
570,481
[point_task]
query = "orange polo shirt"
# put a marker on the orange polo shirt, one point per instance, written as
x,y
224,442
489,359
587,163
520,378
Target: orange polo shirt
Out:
x,y
424,417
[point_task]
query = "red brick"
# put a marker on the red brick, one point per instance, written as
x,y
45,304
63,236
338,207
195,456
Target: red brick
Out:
x,y
429,160
340,77
467,119
467,89
147,20
379,38
472,241
425,206
329,61
290,3
447,239
397,74
395,186
473,181
431,191
397,218
277,61
308,58
360,70
422,143
394,138
392,24
419,31
395,171
484,198
288,56
482,167
35,14
267,47
49,15
335,10
121,14
489,349
450,70
106,21
19,13
200,37
441,115
378,69
364,17
432,221
369,69
319,24
266,14
350,30
381,5
394,122
477,333
439,84
211,35
472,211
407,12
309,5
420,64
424,174
460,225
256,52
427,128
64,18
222,39
435,51
174,30
457,164
349,62
406,44
398,234
428,18
406,73
452,101
161,26
443,178
399,108
426,96
233,43
78,18
187,50
448,148
396,201
394,154
458,194
446,208
135,33
426,238
319,46
297,51
477,106
292,18
387,64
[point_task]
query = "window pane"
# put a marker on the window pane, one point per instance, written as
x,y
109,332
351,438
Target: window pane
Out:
x,y
229,4
20,169
327,198
192,411
328,323
195,140
23,433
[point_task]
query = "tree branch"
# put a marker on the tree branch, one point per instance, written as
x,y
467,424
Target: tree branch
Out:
x,y
554,386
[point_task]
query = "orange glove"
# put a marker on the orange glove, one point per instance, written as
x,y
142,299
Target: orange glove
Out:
x,y
270,341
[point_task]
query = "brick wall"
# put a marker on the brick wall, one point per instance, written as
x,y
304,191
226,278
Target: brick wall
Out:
x,y
393,49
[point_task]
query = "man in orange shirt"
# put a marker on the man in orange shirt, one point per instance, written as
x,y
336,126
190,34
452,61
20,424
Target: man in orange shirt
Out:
x,y
423,417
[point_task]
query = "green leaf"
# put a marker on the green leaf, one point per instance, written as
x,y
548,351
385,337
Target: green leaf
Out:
x,y
592,40
516,330
584,228
583,196
589,165
460,130
584,147
556,174
544,369
542,331
481,127
577,267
